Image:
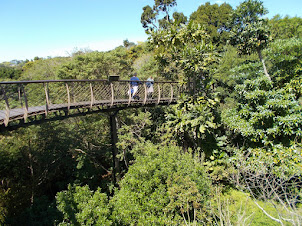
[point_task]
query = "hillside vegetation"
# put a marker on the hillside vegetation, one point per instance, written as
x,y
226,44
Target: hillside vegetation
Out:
x,y
228,154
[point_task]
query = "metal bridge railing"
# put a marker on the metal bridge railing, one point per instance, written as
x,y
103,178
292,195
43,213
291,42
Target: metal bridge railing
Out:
x,y
22,99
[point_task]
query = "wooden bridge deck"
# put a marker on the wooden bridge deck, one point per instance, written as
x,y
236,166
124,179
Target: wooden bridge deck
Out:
x,y
24,99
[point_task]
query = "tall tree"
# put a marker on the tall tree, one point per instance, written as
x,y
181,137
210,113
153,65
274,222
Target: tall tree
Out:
x,y
249,31
214,19
185,52
150,17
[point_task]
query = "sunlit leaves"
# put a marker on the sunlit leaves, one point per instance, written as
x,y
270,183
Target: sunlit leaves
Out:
x,y
287,27
263,115
154,185
81,206
192,123
214,19
150,17
184,50
249,33
285,57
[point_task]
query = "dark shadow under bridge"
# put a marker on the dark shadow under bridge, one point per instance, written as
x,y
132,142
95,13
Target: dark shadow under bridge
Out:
x,y
28,102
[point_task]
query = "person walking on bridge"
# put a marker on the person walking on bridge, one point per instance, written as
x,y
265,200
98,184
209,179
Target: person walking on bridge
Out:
x,y
134,82
149,85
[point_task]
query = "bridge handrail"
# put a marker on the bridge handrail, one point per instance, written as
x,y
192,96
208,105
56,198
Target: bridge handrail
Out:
x,y
21,99
75,80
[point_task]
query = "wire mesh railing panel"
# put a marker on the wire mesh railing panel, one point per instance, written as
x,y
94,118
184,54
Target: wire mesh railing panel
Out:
x,y
101,91
2,104
12,105
2,100
11,96
34,94
176,90
121,91
57,93
165,91
80,92
156,91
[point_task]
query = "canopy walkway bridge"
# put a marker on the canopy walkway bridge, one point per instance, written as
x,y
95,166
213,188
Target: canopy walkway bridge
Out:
x,y
25,102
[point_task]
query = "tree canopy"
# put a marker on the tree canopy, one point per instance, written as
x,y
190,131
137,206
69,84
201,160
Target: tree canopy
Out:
x,y
214,19
228,153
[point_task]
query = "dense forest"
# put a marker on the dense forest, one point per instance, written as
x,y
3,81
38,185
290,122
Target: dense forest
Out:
x,y
228,154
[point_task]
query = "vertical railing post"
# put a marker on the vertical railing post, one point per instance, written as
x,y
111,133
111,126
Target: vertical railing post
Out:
x,y
158,100
171,98
47,98
25,103
68,96
19,95
129,92
145,88
91,96
112,94
7,108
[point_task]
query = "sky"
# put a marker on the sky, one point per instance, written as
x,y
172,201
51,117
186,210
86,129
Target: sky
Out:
x,y
50,28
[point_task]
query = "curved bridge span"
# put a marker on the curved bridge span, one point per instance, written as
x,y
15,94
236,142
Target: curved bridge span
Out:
x,y
24,101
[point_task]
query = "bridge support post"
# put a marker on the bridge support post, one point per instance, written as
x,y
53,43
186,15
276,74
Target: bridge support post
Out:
x,y
116,165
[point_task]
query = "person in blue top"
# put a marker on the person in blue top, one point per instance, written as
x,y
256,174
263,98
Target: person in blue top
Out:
x,y
149,85
134,82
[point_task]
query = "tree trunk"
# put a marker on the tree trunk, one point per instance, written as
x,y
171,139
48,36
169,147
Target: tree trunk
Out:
x,y
263,64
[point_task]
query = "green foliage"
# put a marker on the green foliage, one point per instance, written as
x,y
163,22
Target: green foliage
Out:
x,y
253,37
230,70
99,65
33,161
237,208
9,73
249,32
286,27
165,186
3,203
43,69
128,44
248,12
134,129
94,65
41,212
184,51
162,187
150,17
273,176
192,123
179,18
285,57
283,162
214,18
41,160
124,58
81,206
146,66
264,116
